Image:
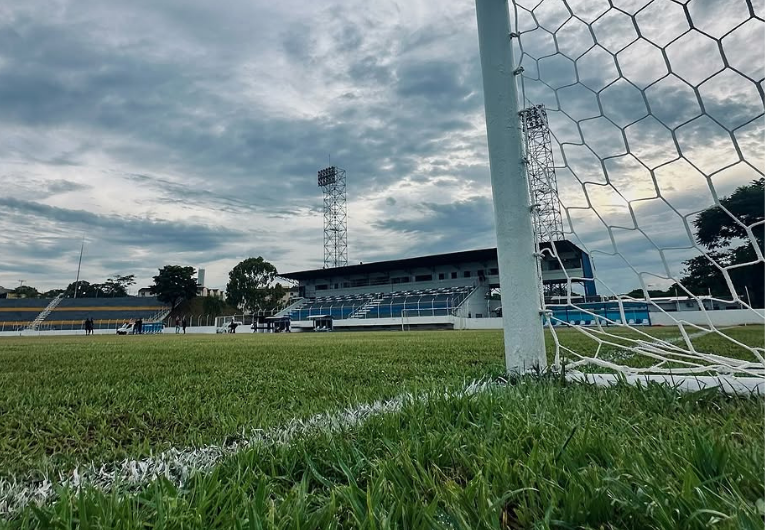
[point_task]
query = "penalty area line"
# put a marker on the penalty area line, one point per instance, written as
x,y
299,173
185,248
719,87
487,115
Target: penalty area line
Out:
x,y
178,465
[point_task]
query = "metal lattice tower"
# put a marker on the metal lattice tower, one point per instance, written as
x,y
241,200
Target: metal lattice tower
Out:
x,y
332,181
548,223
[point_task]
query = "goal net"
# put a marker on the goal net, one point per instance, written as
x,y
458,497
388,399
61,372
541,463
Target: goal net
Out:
x,y
643,124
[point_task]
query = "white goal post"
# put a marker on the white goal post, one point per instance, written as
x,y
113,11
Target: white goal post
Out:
x,y
656,113
516,254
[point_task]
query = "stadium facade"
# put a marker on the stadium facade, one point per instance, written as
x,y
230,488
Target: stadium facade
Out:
x,y
425,291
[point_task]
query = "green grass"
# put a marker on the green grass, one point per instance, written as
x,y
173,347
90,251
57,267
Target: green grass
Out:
x,y
75,399
68,400
536,455
634,457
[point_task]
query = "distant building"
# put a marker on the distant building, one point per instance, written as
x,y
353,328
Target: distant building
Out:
x,y
4,292
208,291
201,291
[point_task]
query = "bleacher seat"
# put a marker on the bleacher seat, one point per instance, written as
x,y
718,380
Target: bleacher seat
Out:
x,y
72,312
427,302
17,313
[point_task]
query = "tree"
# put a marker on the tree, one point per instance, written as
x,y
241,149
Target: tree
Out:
x,y
84,288
112,288
213,306
718,231
251,285
118,287
26,291
173,284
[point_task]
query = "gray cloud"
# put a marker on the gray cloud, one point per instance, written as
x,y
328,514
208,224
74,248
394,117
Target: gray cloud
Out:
x,y
139,232
464,224
191,131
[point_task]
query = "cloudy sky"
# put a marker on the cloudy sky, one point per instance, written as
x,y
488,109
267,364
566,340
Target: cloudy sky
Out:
x,y
190,132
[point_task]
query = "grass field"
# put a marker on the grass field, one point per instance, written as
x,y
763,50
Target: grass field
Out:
x,y
513,456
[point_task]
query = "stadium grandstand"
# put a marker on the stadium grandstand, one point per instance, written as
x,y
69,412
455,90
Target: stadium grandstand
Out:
x,y
70,313
436,291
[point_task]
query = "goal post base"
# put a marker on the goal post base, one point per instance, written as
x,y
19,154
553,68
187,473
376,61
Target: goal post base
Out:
x,y
685,383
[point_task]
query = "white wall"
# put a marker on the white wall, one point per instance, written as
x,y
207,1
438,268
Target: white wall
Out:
x,y
477,323
476,303
63,332
55,332
730,317
348,323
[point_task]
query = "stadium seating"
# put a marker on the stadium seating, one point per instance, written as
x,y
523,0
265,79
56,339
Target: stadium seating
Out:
x,y
105,312
71,313
417,302
17,313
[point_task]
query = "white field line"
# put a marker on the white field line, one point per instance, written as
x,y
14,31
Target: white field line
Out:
x,y
178,465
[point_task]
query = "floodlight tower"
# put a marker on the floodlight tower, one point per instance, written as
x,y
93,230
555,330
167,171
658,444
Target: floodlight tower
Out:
x,y
540,168
332,181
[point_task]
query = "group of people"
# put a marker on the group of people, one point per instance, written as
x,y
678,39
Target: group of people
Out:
x,y
181,324
89,326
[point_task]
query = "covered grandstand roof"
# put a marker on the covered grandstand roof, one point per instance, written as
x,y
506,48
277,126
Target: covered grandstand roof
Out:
x,y
484,254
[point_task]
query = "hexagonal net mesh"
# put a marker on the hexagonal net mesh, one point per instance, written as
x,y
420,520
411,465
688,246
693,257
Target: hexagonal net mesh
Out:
x,y
656,117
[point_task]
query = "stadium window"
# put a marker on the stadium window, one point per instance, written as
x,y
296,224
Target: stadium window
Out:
x,y
441,276
423,278
466,274
454,276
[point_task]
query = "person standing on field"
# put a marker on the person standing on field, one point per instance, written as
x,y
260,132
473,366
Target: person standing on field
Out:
x,y
183,325
177,324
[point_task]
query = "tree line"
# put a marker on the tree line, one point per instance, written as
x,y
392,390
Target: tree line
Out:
x,y
732,235
252,286
112,288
